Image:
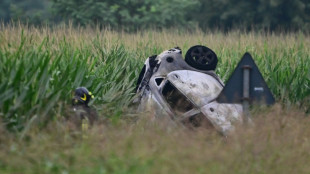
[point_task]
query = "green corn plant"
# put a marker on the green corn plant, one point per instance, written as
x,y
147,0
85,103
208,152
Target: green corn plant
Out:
x,y
39,72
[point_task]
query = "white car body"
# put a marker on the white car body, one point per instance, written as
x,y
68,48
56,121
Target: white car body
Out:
x,y
169,87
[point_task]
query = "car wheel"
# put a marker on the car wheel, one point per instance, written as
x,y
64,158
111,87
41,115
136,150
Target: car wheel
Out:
x,y
201,57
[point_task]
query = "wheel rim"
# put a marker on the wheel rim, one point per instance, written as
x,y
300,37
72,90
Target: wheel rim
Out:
x,y
202,55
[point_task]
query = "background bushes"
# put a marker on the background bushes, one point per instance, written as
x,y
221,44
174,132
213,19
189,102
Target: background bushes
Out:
x,y
131,15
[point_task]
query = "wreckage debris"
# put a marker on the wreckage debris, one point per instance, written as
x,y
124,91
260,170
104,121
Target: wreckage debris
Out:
x,y
186,90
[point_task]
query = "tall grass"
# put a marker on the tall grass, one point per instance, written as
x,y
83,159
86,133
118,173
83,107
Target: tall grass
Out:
x,y
40,67
278,142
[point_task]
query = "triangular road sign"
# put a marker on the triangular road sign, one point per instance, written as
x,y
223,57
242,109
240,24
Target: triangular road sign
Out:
x,y
258,89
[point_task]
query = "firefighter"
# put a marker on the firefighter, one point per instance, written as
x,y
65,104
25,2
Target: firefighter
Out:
x,y
83,116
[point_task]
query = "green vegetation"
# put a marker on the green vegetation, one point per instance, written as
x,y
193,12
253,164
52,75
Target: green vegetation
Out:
x,y
132,15
37,78
40,68
128,15
33,12
256,14
278,143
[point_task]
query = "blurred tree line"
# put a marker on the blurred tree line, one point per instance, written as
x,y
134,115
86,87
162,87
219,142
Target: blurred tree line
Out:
x,y
131,15
27,11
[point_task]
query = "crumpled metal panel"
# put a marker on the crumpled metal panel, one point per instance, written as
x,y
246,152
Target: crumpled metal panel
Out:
x,y
223,116
198,87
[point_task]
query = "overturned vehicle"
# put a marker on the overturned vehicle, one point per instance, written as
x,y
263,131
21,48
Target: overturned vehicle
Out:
x,y
185,91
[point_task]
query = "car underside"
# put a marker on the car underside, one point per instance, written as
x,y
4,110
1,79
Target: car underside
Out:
x,y
185,90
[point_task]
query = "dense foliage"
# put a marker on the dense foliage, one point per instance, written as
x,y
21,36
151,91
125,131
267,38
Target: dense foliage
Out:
x,y
264,14
131,15
31,11
41,67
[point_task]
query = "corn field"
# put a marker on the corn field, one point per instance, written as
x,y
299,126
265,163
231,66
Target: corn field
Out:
x,y
40,68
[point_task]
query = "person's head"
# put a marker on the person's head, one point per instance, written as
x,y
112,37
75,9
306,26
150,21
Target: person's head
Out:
x,y
81,96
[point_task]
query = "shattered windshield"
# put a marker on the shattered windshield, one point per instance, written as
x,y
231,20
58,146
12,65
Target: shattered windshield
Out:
x,y
176,100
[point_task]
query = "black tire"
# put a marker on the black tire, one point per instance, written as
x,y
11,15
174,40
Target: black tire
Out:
x,y
201,57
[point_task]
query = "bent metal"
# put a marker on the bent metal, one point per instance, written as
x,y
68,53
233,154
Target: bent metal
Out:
x,y
186,90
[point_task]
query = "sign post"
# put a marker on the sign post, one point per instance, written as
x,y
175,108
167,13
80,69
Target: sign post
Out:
x,y
246,92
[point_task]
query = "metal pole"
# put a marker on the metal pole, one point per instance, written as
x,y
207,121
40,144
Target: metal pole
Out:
x,y
246,93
